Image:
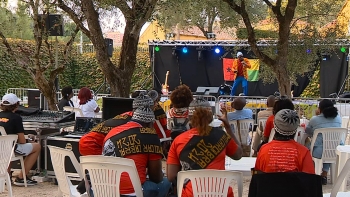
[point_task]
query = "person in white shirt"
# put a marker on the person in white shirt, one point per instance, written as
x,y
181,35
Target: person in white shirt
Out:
x,y
86,103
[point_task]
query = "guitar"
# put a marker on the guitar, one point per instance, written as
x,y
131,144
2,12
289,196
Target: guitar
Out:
x,y
165,87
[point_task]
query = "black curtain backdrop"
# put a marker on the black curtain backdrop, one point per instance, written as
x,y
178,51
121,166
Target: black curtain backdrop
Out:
x,y
206,72
333,73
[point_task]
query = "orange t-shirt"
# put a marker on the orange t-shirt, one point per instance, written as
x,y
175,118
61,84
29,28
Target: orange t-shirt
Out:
x,y
92,142
269,126
284,156
218,164
141,160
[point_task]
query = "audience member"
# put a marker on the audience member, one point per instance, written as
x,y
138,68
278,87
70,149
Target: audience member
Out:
x,y
240,113
200,141
281,103
67,94
327,116
13,125
258,137
147,156
283,154
180,98
92,142
86,103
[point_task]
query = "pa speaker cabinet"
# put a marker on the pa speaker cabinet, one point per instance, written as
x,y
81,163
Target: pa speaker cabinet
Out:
x,y
109,45
33,98
66,143
53,24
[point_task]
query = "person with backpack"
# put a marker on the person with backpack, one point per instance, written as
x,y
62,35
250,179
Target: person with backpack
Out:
x,y
177,116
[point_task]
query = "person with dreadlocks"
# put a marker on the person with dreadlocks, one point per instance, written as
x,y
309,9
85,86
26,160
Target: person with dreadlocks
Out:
x,y
204,136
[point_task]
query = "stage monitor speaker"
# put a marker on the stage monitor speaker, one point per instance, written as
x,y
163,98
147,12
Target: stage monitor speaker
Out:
x,y
33,98
113,106
53,24
212,91
109,45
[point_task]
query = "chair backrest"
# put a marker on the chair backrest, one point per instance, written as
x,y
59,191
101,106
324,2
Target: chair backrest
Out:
x,y
105,174
272,134
299,134
76,110
7,144
344,121
58,156
343,175
210,182
332,137
2,130
245,126
262,123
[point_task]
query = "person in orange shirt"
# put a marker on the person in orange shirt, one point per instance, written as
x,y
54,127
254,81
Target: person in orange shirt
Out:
x,y
138,140
206,137
239,68
281,103
283,154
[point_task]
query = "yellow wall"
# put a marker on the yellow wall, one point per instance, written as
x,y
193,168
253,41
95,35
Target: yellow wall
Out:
x,y
153,32
343,19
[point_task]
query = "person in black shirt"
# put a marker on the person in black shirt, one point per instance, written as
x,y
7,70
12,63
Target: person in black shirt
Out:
x,y
67,94
13,124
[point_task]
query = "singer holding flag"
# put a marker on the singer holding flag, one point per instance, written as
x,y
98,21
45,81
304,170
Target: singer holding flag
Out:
x,y
239,68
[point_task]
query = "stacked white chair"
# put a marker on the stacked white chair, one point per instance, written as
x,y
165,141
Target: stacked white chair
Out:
x,y
6,151
210,182
332,137
16,158
105,172
342,176
58,157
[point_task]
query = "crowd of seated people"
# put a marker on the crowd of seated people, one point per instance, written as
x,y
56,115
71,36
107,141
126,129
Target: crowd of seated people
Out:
x,y
150,123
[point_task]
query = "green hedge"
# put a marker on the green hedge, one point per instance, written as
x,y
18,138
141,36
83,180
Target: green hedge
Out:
x,y
81,70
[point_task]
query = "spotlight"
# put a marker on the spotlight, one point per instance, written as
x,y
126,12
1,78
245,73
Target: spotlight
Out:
x,y
211,35
156,48
217,50
308,51
184,50
343,49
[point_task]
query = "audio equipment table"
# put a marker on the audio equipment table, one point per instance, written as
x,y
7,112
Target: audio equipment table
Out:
x,y
49,120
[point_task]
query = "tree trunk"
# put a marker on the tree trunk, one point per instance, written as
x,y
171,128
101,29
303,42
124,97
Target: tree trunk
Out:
x,y
47,88
283,80
122,82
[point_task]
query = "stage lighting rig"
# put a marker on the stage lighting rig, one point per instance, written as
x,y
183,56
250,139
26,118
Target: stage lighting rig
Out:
x,y
170,36
211,35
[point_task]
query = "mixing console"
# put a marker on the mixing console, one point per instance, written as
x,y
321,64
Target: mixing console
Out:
x,y
50,117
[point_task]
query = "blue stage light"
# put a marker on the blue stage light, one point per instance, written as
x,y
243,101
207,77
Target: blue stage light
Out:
x,y
217,50
184,50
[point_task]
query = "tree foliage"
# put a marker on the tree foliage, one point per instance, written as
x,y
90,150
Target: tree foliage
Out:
x,y
87,14
202,14
295,51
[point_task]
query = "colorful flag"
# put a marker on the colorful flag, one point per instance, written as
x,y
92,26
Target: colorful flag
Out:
x,y
253,72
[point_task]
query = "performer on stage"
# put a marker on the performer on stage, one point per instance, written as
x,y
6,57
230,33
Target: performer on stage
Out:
x,y
239,69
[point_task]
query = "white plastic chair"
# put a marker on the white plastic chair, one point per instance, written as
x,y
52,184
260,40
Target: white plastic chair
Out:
x,y
6,151
76,110
262,123
105,174
342,176
163,132
345,122
245,126
58,156
16,158
210,182
332,137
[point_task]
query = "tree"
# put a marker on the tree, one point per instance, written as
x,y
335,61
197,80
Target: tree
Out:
x,y
42,70
286,15
202,14
136,13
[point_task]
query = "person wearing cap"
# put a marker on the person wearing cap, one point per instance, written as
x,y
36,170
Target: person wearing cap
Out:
x,y
239,68
138,140
283,153
13,125
240,113
92,142
67,95
203,146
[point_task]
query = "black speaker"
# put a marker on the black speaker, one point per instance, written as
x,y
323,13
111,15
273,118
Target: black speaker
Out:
x,y
212,91
53,24
112,106
109,45
34,98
